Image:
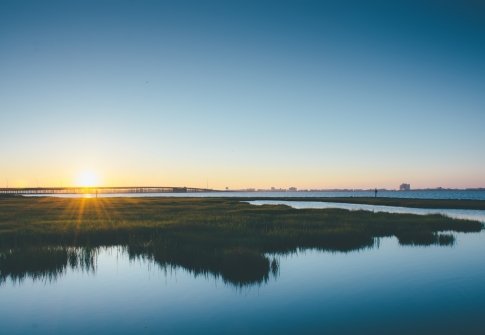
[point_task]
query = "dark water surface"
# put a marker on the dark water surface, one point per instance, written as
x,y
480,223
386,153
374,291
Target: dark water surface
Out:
x,y
387,288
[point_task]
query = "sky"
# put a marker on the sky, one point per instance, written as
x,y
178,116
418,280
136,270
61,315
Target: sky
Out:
x,y
237,94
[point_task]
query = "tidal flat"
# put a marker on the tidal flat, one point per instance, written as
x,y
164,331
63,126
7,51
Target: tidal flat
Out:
x,y
40,236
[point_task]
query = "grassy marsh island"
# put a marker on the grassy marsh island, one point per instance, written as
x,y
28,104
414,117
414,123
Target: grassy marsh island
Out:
x,y
397,202
222,236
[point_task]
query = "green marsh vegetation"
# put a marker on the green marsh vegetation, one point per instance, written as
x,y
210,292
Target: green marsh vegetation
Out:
x,y
224,237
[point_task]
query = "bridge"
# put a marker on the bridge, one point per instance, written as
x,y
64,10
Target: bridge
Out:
x,y
102,190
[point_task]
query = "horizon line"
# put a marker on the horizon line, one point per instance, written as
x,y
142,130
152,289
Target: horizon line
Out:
x,y
245,189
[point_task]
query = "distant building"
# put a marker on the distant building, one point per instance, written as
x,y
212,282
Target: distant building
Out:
x,y
292,189
405,187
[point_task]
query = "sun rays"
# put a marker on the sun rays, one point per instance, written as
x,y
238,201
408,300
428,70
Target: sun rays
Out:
x,y
87,211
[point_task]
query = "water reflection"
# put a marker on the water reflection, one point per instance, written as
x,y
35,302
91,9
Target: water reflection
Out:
x,y
46,263
236,266
441,290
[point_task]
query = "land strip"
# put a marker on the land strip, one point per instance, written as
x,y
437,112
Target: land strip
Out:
x,y
383,201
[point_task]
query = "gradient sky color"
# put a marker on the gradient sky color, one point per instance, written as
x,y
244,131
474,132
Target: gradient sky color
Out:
x,y
312,94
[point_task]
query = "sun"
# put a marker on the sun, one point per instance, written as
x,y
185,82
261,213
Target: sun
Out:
x,y
87,179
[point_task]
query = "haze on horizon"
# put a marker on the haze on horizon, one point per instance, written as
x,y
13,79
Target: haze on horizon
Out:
x,y
239,94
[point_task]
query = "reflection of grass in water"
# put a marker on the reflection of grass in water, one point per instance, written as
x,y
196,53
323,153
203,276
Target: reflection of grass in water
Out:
x,y
238,267
426,239
45,263
223,237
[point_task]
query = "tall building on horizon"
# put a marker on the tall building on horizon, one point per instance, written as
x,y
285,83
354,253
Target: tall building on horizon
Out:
x,y
405,187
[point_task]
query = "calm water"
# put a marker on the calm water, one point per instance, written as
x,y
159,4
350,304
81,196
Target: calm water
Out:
x,y
469,214
380,290
444,194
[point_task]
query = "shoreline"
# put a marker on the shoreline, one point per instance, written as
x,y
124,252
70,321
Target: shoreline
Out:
x,y
383,201
380,201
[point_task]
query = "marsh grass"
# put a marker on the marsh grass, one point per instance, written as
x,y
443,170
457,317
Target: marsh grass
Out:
x,y
223,237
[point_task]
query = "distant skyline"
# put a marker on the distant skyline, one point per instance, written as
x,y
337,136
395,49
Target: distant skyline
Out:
x,y
239,94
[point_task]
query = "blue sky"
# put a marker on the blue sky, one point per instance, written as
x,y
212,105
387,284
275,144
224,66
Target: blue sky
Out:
x,y
310,94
